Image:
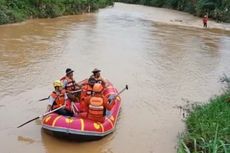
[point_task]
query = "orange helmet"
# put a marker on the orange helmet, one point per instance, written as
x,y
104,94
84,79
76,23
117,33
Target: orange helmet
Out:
x,y
97,87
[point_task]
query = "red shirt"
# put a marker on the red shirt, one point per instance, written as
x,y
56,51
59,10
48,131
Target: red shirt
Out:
x,y
205,19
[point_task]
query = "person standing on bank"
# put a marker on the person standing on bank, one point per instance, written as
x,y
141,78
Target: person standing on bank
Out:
x,y
205,21
70,85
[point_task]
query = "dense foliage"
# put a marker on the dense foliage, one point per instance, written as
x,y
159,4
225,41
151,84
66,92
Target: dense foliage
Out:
x,y
217,9
208,126
19,10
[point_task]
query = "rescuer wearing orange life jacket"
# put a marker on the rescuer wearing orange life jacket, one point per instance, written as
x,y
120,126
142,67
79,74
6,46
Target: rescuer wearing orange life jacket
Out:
x,y
86,93
70,85
97,104
58,98
97,76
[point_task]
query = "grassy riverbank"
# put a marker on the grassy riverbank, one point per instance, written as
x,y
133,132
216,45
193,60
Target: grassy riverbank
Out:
x,y
208,127
216,9
12,11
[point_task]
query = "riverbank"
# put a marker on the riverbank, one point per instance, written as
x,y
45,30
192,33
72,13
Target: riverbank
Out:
x,y
17,11
218,10
171,17
170,63
155,14
208,128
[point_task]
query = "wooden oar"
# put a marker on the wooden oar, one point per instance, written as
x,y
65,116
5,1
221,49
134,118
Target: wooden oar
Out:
x,y
49,96
41,116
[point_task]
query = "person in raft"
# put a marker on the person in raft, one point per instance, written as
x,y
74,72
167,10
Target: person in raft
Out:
x,y
71,86
97,104
205,21
86,93
97,76
58,98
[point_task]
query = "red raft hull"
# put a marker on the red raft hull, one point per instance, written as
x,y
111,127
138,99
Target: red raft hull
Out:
x,y
83,129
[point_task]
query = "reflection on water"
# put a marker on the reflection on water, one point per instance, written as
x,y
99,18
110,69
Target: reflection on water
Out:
x,y
60,145
162,64
25,139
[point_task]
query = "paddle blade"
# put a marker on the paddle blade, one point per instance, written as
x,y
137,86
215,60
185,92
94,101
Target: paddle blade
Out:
x,y
44,99
126,87
28,122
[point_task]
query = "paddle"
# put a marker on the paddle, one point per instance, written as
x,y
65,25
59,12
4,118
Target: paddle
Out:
x,y
41,116
74,108
113,97
44,99
49,96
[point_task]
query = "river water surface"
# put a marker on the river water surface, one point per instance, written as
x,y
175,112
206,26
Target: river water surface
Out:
x,y
164,65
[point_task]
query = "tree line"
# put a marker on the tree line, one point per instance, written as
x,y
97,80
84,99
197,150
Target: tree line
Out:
x,y
18,10
216,9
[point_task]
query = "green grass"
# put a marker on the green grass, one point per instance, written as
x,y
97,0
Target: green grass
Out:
x,y
208,127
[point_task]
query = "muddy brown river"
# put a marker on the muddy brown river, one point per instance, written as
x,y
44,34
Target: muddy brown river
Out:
x,y
164,65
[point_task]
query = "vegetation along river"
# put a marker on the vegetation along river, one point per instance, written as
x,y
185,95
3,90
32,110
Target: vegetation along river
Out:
x,y
164,64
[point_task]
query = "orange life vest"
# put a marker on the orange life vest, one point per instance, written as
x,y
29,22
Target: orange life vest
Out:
x,y
71,84
59,99
87,90
96,109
